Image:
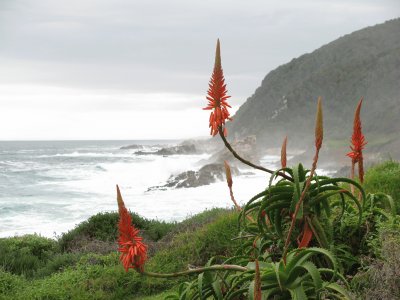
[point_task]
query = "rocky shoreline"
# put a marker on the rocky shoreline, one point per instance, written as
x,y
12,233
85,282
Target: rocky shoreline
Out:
x,y
212,170
204,176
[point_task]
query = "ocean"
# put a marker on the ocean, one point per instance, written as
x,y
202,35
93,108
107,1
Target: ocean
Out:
x,y
48,187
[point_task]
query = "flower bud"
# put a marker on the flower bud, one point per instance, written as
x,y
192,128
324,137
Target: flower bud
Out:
x,y
319,129
283,153
228,174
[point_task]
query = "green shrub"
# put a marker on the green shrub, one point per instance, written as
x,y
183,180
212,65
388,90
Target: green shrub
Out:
x,y
10,284
384,178
103,227
26,254
58,263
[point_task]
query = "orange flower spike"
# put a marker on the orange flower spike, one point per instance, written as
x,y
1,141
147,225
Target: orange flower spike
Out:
x,y
133,250
357,139
217,96
283,153
319,128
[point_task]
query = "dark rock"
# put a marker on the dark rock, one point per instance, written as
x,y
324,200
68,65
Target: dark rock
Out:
x,y
134,146
208,174
185,149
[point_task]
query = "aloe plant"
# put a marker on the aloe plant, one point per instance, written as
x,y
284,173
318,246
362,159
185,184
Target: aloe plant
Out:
x,y
299,278
274,208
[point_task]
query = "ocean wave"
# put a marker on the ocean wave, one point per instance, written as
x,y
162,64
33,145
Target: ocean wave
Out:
x,y
54,190
87,154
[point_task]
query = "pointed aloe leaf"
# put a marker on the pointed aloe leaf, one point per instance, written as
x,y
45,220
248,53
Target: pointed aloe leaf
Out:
x,y
338,289
271,292
298,293
306,253
319,232
340,180
297,188
216,285
185,291
334,274
389,202
278,223
275,267
251,290
315,275
200,285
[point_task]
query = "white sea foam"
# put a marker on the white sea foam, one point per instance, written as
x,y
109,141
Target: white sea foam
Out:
x,y
50,191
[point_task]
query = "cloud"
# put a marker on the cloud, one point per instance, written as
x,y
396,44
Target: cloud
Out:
x,y
112,51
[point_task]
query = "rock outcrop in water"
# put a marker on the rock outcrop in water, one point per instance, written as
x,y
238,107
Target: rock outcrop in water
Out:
x,y
208,174
131,147
174,150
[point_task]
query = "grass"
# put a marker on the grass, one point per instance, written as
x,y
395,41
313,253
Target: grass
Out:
x,y
384,178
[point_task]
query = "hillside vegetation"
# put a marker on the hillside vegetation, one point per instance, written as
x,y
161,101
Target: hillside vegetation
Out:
x,y
364,63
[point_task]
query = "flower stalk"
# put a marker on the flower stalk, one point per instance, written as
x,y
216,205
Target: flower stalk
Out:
x,y
229,181
319,135
283,153
235,268
235,154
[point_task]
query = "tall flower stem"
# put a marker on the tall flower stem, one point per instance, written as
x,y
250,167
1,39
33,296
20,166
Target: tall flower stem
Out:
x,y
319,135
195,271
229,181
298,205
235,154
237,206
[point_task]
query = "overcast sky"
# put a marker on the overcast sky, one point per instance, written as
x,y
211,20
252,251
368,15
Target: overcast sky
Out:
x,y
125,69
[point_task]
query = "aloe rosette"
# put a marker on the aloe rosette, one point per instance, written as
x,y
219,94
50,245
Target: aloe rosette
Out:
x,y
274,208
299,278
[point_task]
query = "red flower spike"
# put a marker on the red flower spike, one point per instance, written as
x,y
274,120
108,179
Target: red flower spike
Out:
x,y
217,96
133,250
357,139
